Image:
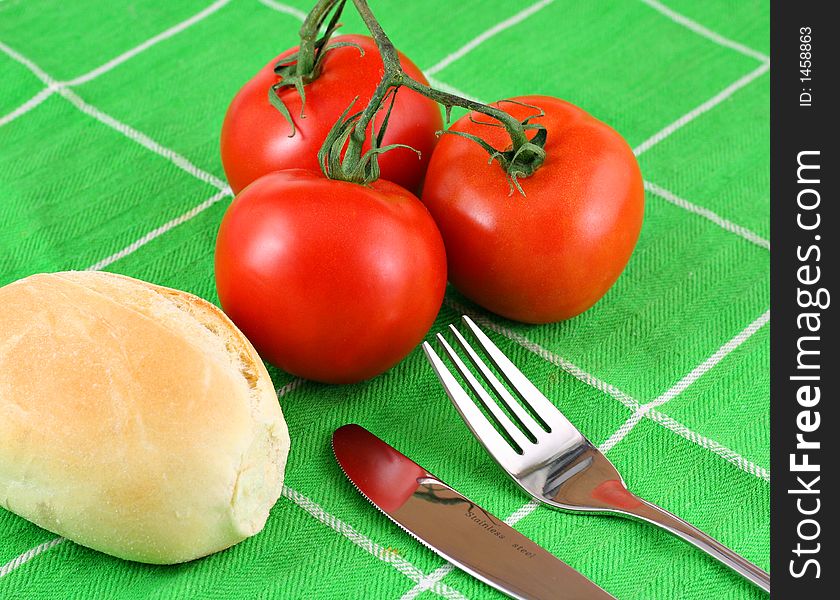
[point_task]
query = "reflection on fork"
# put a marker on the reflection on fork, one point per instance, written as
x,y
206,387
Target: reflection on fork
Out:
x,y
545,454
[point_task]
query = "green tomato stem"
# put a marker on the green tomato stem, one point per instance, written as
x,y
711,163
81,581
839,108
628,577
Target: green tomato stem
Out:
x,y
511,125
309,35
342,156
520,160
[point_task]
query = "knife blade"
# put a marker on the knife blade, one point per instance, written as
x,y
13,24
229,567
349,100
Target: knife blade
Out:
x,y
454,527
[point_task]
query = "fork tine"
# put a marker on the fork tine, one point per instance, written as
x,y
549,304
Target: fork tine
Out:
x,y
527,420
481,427
507,425
517,380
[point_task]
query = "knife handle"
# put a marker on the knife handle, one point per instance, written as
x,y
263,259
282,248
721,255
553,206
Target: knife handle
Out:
x,y
673,524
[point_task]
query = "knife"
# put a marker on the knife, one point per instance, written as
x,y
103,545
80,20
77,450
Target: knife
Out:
x,y
454,527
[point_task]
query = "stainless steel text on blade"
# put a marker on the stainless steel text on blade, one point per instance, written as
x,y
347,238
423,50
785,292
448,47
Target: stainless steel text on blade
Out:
x,y
454,527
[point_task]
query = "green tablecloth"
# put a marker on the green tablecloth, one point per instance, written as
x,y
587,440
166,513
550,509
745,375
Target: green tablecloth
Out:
x,y
118,168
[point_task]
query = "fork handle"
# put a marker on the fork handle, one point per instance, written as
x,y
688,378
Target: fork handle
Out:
x,y
673,524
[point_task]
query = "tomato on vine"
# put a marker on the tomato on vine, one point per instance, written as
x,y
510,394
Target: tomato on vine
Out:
x,y
337,276
257,138
553,250
330,280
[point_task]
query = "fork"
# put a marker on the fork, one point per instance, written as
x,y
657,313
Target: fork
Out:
x,y
553,461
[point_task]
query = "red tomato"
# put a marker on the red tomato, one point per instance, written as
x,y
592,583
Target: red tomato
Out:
x,y
330,280
255,136
552,254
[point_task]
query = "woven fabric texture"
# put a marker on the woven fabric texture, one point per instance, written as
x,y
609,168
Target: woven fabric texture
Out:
x,y
110,115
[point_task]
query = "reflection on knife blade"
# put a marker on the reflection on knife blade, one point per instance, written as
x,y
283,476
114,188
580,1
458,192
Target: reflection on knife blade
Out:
x,y
457,529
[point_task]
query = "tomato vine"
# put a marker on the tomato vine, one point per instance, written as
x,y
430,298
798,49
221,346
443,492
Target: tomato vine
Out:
x,y
521,158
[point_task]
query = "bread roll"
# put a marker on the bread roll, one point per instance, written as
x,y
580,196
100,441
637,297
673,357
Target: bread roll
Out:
x,y
134,419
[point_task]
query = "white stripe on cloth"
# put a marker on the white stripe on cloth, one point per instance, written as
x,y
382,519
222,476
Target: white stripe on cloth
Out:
x,y
705,107
384,554
54,86
155,233
721,222
486,35
547,355
143,139
35,69
625,399
695,374
705,31
284,8
164,35
442,85
128,131
27,106
725,453
28,555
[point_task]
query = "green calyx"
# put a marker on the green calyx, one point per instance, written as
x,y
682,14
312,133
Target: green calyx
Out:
x,y
524,156
342,155
304,66
340,161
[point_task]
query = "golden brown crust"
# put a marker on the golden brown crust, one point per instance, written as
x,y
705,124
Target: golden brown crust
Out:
x,y
136,419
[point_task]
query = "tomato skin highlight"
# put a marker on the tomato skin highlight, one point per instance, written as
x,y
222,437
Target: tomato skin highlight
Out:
x,y
331,281
255,136
554,253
